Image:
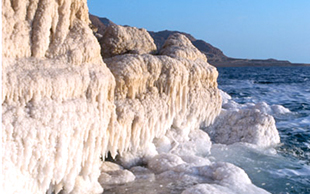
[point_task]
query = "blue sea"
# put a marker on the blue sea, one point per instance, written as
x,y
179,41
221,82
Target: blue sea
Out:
x,y
287,170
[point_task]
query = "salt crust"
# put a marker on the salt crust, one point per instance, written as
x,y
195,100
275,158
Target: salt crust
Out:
x,y
249,123
218,177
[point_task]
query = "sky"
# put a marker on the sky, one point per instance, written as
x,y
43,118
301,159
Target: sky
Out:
x,y
252,29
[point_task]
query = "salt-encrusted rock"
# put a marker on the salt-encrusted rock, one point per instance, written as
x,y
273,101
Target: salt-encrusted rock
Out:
x,y
55,121
250,123
244,125
143,173
116,177
49,29
164,162
57,98
214,178
178,45
118,40
156,93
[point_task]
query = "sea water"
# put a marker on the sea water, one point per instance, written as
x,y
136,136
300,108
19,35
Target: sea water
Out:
x,y
287,168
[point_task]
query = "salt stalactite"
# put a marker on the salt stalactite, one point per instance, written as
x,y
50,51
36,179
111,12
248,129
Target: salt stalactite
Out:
x,y
162,97
58,109
48,28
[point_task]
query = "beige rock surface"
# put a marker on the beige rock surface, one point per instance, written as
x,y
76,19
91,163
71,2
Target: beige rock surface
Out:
x,y
118,40
179,46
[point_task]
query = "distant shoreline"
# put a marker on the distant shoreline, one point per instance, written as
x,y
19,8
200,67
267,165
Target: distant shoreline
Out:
x,y
233,62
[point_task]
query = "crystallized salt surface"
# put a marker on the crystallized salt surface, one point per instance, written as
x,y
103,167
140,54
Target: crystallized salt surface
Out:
x,y
173,175
249,123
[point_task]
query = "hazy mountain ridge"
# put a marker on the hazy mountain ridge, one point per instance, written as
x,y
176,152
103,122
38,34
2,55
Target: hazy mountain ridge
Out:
x,y
215,56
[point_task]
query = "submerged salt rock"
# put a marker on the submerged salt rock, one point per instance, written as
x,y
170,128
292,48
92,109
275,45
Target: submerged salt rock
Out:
x,y
244,125
143,173
116,177
225,173
208,189
178,45
219,177
164,162
118,40
230,178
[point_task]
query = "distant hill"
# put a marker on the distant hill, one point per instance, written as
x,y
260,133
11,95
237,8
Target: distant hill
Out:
x,y
215,56
212,53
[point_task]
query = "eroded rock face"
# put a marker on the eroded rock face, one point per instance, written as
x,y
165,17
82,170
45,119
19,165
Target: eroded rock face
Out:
x,y
118,40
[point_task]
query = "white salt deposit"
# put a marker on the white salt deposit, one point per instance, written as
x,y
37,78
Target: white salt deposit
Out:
x,y
245,123
219,177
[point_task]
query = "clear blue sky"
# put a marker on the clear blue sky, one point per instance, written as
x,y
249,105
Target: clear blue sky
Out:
x,y
253,29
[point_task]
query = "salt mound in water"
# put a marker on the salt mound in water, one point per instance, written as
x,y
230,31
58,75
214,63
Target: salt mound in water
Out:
x,y
245,123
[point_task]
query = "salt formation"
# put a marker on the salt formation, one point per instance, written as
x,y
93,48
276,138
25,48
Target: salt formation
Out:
x,y
49,29
217,177
182,93
178,45
57,98
121,40
245,123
